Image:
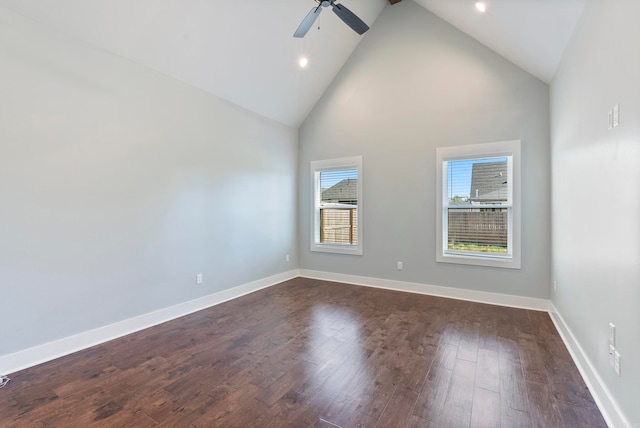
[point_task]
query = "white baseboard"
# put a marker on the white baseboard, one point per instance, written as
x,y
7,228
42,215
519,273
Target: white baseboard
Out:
x,y
433,290
30,357
611,411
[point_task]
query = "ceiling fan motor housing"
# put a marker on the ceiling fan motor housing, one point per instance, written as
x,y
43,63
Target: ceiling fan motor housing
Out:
x,y
348,17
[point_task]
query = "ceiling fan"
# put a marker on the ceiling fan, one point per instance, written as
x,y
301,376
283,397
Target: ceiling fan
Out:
x,y
343,13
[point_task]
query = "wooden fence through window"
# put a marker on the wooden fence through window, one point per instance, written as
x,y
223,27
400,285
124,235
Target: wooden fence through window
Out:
x,y
339,226
478,226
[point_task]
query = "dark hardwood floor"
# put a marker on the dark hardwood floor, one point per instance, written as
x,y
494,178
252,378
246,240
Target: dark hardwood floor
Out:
x,y
309,353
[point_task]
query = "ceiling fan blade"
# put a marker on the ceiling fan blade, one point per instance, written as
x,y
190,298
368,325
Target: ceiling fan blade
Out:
x,y
350,18
307,22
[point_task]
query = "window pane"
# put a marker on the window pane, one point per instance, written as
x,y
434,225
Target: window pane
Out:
x,y
339,226
479,230
478,181
473,186
338,207
339,186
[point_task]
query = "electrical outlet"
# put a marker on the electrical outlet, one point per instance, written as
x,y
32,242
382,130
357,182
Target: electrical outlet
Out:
x,y
616,115
612,334
287,258
616,363
198,278
400,265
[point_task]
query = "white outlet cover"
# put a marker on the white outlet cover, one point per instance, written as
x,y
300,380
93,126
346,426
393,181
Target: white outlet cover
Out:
x,y
612,334
610,127
616,358
616,115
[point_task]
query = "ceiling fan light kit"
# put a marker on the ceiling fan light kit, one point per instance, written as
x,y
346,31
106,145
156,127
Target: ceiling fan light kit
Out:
x,y
348,17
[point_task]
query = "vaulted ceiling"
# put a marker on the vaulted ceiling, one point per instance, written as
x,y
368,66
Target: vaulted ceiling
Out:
x,y
243,50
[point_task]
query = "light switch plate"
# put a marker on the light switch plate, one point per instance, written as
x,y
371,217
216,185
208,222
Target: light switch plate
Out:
x,y
610,127
612,334
612,360
616,366
616,115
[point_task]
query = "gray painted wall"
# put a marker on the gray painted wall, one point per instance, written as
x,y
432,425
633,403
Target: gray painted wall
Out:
x,y
416,83
118,185
596,208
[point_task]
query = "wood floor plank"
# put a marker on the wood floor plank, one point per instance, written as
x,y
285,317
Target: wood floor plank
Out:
x,y
544,409
349,377
337,411
316,353
285,383
294,409
360,420
515,418
578,416
485,412
418,422
459,400
433,395
513,392
397,413
414,373
377,393
488,372
446,356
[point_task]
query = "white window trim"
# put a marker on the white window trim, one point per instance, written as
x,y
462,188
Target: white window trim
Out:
x,y
497,149
353,162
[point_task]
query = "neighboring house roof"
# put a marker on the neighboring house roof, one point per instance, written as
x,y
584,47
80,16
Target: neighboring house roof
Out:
x,y
343,191
489,182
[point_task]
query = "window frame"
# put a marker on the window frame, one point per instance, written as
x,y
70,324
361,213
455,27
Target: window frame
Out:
x,y
316,167
511,149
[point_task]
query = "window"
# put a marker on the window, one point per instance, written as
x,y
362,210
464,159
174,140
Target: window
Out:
x,y
478,200
337,197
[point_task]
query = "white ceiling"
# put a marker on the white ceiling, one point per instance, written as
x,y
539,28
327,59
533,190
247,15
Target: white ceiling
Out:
x,y
244,52
530,33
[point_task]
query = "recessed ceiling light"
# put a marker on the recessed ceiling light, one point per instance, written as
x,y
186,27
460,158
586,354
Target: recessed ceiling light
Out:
x,y
481,6
303,62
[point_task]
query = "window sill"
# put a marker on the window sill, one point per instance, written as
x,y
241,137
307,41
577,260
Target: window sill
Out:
x,y
489,261
337,249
